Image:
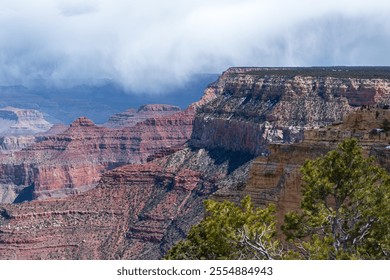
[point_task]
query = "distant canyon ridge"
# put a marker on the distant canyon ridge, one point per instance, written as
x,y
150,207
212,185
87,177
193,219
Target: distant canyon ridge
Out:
x,y
98,100
132,186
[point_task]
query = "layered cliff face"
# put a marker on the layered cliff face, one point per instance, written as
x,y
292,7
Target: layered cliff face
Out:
x,y
135,213
257,106
73,161
12,143
277,178
14,121
18,128
131,117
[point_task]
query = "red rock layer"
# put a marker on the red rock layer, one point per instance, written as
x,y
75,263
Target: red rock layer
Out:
x,y
136,212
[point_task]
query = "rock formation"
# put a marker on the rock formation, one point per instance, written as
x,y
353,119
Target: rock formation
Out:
x,y
131,117
12,143
137,211
14,121
277,179
257,106
130,215
18,128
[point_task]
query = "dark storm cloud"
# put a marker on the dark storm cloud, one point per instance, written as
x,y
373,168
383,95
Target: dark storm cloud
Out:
x,y
150,44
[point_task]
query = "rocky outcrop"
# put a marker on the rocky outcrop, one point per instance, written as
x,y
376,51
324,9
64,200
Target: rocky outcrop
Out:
x,y
276,178
73,161
257,106
131,117
12,143
14,121
19,127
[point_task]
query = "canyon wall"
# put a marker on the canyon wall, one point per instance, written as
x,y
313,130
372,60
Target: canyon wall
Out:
x,y
277,178
137,211
14,121
257,106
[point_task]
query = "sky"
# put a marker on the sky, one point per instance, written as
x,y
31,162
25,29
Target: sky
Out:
x,y
149,45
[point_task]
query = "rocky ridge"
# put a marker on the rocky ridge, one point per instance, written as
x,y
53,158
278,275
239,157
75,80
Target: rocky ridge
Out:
x,y
137,211
128,216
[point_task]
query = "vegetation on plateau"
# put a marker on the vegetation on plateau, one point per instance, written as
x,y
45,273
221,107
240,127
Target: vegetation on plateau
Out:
x,y
342,72
345,214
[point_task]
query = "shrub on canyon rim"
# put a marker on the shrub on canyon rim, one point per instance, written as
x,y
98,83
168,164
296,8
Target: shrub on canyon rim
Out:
x,y
231,231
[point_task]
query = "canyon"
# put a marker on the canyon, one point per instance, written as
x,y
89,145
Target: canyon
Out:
x,y
73,160
249,134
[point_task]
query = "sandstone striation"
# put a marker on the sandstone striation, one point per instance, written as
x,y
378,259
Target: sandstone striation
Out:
x,y
12,143
19,127
134,213
137,211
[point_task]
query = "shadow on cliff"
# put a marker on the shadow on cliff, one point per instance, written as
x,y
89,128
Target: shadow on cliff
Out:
x,y
233,159
25,195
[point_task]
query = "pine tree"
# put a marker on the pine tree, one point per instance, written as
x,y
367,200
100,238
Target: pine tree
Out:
x,y
231,231
345,208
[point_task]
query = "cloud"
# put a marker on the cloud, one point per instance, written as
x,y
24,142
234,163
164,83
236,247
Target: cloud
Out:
x,y
150,45
71,8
